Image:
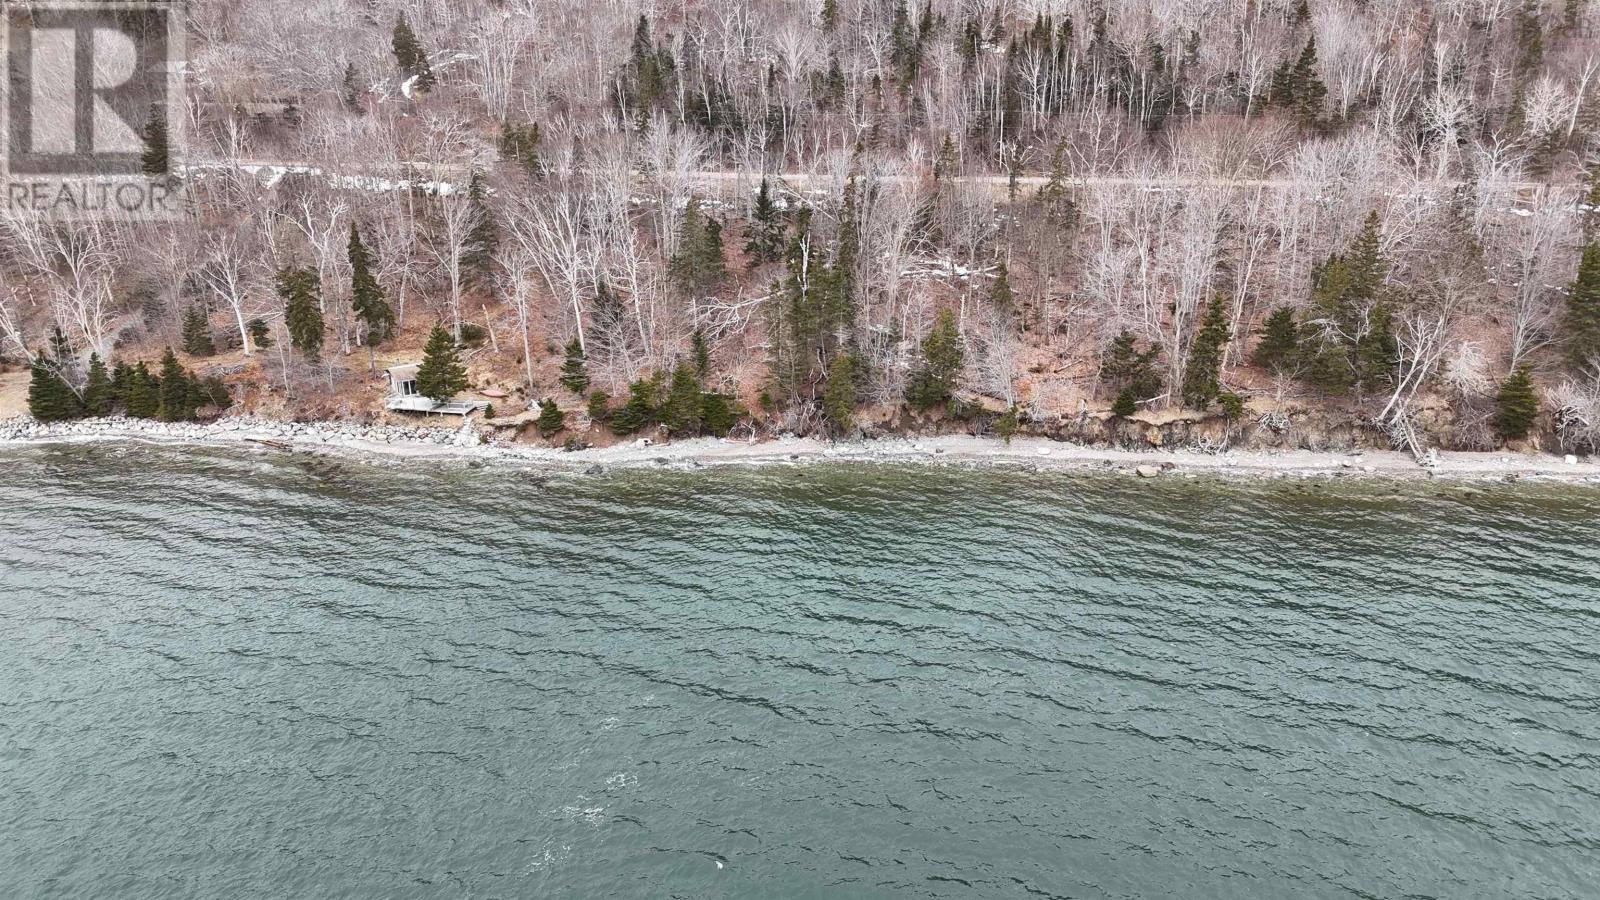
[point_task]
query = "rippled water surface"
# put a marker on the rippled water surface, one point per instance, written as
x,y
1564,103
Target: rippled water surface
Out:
x,y
249,677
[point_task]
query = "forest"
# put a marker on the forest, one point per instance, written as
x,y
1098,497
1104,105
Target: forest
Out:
x,y
854,215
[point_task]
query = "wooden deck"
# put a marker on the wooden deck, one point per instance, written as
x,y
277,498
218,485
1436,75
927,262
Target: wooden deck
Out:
x,y
427,406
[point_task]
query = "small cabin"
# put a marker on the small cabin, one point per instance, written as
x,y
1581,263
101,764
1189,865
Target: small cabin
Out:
x,y
405,396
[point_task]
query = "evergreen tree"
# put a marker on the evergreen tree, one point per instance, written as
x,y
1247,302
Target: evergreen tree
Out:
x,y
520,144
412,59
1007,424
640,410
175,404
50,398
1583,312
942,358
1130,370
830,15
575,369
1280,341
442,375
367,299
599,407
144,393
350,89
197,332
97,392
121,377
1126,403
698,266
156,158
1307,90
839,396
700,351
717,413
260,334
765,243
483,239
1201,377
1353,342
1517,406
551,418
300,290
1000,294
680,411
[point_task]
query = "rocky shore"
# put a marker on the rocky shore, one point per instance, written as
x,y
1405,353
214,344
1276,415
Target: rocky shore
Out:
x,y
470,443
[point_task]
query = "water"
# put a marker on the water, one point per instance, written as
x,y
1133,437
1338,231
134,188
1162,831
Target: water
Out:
x,y
251,677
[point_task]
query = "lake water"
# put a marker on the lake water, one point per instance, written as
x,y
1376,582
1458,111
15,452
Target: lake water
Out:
x,y
236,676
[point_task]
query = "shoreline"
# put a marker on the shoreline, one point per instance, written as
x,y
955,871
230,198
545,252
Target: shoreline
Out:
x,y
395,444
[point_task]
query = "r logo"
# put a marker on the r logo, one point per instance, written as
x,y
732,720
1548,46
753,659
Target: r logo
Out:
x,y
83,81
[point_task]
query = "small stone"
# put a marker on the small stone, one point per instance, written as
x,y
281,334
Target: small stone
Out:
x,y
1570,460
1147,471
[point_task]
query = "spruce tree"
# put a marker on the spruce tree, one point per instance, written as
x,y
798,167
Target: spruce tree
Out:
x,y
575,368
1517,405
367,299
680,411
300,290
1201,377
698,265
50,398
717,413
839,396
442,375
197,332
1126,403
483,238
599,406
410,56
260,334
1582,324
640,410
1308,90
144,393
765,243
350,89
700,352
156,158
1280,340
520,144
97,391
551,418
934,378
175,402
1126,368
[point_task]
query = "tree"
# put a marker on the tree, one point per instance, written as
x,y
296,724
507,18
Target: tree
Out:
x,y
717,412
373,312
680,411
1201,378
599,406
1126,403
942,358
1280,341
97,391
1130,370
350,90
1583,311
839,395
197,332
175,403
156,158
1517,405
765,243
301,292
640,410
575,369
410,56
698,266
551,418
442,375
700,351
50,398
143,399
483,237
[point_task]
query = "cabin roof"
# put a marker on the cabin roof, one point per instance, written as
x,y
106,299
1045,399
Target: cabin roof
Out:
x,y
403,373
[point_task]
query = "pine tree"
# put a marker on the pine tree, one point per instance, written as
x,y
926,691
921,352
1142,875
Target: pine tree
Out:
x,y
1583,312
839,396
175,402
300,290
1517,406
50,398
599,406
1127,368
97,391
483,239
680,411
197,332
934,378
350,89
700,351
1280,341
640,410
1201,377
367,299
551,418
156,159
410,56
442,375
575,369
144,393
765,243
1126,403
717,413
698,266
